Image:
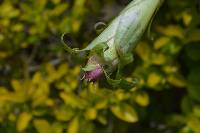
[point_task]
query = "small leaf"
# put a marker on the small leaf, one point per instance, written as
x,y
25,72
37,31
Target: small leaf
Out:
x,y
16,85
57,128
91,113
161,42
76,24
153,80
63,114
73,100
62,70
177,80
37,78
158,59
125,112
102,119
172,30
42,126
73,126
142,99
23,121
187,18
59,9
144,51
41,4
102,104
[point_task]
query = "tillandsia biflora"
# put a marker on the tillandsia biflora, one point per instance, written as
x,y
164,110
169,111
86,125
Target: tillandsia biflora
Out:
x,y
112,49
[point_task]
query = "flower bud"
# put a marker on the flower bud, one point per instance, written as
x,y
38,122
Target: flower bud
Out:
x,y
114,45
120,37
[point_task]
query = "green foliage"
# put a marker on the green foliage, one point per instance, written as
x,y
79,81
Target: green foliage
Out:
x,y
40,86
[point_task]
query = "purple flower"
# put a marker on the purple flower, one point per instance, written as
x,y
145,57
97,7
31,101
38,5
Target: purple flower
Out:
x,y
95,74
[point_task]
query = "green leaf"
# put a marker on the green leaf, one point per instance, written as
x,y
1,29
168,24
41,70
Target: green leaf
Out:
x,y
23,121
73,126
142,99
125,112
42,126
91,113
64,113
57,127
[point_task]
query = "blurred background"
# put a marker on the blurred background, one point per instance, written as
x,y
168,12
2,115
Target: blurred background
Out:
x,y
40,86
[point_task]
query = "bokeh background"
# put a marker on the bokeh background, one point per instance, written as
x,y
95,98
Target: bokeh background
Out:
x,y
40,86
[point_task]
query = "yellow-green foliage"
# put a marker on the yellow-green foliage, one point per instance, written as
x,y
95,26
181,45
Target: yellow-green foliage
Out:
x,y
40,86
